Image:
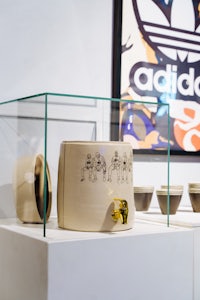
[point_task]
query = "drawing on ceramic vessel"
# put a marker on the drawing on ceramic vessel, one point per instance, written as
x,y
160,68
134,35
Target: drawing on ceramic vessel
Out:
x,y
115,166
125,167
130,162
122,167
87,168
99,165
93,165
119,167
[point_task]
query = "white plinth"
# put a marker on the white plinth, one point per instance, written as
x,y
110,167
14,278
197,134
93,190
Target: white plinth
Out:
x,y
151,261
187,218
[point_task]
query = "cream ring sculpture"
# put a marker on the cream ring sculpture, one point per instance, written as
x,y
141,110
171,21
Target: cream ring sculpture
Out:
x,y
28,186
94,190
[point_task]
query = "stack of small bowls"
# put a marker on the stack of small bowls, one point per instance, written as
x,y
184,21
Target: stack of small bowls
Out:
x,y
175,195
194,195
142,197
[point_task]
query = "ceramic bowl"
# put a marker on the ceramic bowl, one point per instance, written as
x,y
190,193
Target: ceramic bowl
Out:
x,y
29,189
142,197
194,195
175,199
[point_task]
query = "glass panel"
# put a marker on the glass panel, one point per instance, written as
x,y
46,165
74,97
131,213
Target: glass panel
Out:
x,y
34,128
23,161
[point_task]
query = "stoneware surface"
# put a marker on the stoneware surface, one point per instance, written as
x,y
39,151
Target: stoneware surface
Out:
x,y
142,197
90,176
28,186
175,199
194,195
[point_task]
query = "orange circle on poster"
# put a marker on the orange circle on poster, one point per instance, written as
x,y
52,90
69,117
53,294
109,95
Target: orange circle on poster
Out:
x,y
193,143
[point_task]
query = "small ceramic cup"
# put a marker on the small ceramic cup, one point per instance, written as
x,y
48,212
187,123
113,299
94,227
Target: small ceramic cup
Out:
x,y
29,189
142,197
194,195
175,198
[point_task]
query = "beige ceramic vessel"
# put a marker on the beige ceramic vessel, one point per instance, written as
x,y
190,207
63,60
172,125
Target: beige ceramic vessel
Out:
x,y
174,196
142,197
28,186
93,179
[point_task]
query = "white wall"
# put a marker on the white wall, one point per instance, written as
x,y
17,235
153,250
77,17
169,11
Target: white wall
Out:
x,y
61,46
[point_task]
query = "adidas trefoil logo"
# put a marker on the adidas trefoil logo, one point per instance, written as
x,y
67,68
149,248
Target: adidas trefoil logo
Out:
x,y
177,38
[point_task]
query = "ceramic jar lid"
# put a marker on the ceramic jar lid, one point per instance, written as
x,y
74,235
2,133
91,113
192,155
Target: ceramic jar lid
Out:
x,y
29,189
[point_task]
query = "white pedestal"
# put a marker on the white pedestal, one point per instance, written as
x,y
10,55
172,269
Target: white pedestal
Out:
x,y
187,218
151,261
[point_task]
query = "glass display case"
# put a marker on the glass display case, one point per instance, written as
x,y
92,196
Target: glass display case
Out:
x,y
33,129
